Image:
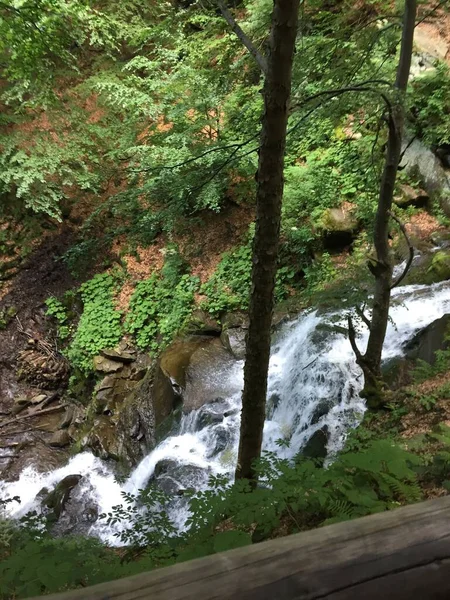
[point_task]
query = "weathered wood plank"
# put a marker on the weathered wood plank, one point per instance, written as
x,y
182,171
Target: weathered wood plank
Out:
x,y
402,554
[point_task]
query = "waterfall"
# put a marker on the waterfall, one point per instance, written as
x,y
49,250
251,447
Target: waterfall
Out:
x,y
313,382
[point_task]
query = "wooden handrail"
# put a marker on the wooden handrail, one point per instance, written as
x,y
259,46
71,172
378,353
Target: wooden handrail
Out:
x,y
402,554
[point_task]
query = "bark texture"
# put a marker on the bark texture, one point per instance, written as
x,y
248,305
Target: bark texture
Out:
x,y
382,267
277,89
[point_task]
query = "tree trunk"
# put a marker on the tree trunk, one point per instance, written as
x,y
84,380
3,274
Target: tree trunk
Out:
x,y
277,89
370,362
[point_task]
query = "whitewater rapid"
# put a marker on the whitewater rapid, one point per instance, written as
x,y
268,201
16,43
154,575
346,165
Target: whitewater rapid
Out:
x,y
311,367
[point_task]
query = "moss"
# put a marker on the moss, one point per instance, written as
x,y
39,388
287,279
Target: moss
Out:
x,y
433,269
439,269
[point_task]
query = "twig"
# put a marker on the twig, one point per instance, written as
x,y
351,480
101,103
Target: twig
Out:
x,y
310,364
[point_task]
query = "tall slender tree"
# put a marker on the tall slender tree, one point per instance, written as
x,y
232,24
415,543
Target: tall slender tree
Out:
x,y
277,67
382,264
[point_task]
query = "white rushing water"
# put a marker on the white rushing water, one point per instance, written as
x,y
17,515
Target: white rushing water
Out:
x,y
313,381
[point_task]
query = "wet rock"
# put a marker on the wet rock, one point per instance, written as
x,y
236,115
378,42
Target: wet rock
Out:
x,y
136,423
117,356
165,466
429,340
168,485
60,439
272,402
208,418
207,375
103,439
234,340
175,476
322,409
220,440
79,513
105,365
56,500
316,446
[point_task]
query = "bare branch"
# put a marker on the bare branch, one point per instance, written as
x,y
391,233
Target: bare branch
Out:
x,y
352,338
260,59
410,247
361,314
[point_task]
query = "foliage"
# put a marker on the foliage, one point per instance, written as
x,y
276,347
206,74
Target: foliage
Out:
x,y
431,107
228,288
374,475
57,310
369,476
99,325
161,304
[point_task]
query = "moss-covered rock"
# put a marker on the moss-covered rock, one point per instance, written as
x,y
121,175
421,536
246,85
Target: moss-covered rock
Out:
x,y
338,227
439,270
432,268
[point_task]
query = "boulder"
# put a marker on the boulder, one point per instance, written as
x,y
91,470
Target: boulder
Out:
x,y
193,370
439,270
60,439
338,226
56,499
410,197
207,375
221,439
429,340
135,424
103,439
430,268
316,446
209,415
235,319
173,476
201,323
234,339
322,409
67,418
419,161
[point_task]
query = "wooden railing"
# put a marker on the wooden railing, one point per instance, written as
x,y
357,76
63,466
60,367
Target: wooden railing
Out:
x,y
400,555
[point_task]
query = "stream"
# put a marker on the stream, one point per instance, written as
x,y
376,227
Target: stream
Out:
x,y
313,382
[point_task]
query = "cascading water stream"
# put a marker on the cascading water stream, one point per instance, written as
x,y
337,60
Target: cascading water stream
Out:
x,y
313,382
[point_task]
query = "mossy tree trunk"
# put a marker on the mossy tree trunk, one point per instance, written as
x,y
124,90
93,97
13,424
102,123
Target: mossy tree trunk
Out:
x,y
382,266
277,90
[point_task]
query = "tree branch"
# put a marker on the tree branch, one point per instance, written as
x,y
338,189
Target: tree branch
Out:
x,y
411,250
260,59
360,313
352,338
